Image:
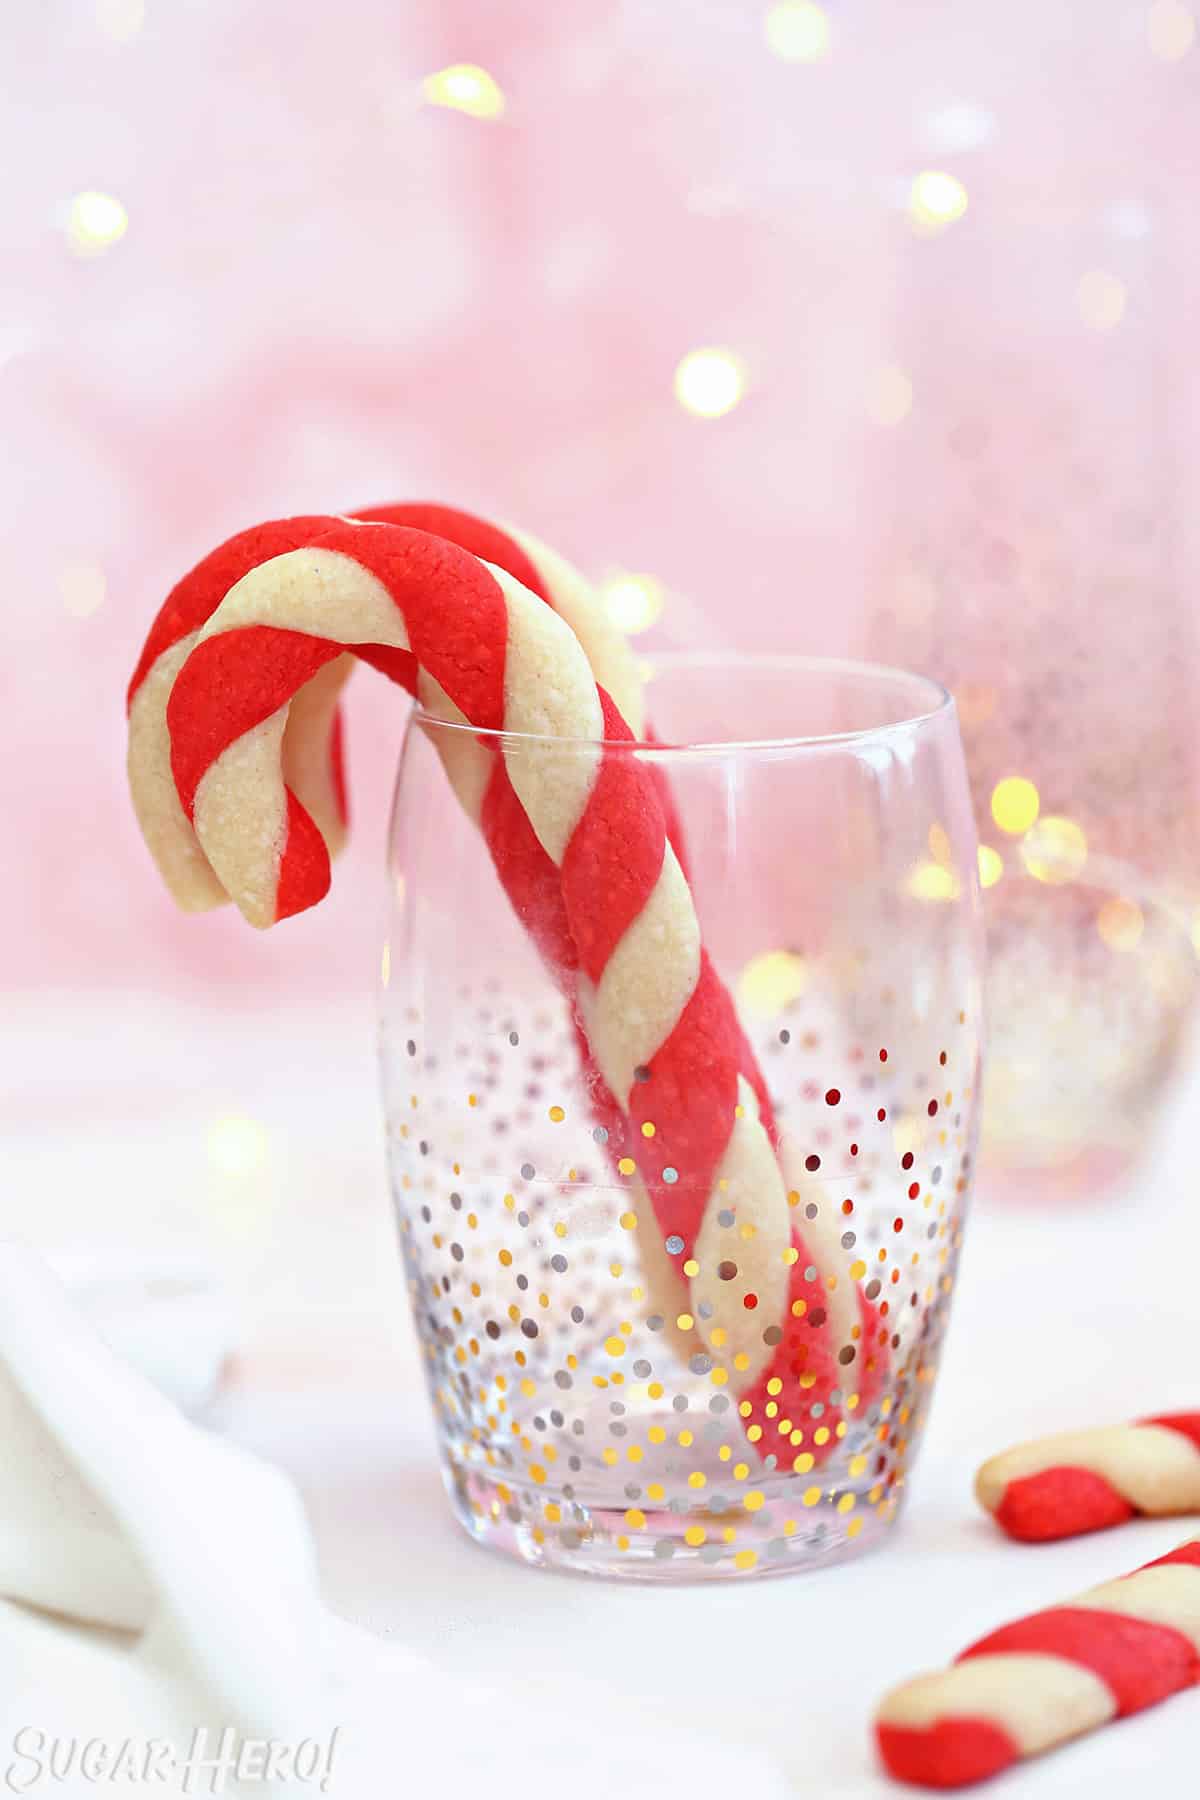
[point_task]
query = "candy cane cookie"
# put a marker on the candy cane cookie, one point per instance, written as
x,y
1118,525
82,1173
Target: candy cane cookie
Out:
x,y
1077,1481
312,751
659,1024
313,754
1051,1677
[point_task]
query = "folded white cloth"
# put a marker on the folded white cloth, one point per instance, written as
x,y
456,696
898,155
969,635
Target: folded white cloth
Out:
x,y
176,1590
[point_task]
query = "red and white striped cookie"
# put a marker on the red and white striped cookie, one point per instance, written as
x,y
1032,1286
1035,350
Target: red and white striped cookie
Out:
x,y
1077,1481
1046,1679
659,1024
312,748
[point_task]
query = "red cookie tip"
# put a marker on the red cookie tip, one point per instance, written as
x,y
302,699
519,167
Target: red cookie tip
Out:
x,y
948,1754
1060,1503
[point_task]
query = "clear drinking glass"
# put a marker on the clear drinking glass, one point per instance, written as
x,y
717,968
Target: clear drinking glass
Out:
x,y
591,1412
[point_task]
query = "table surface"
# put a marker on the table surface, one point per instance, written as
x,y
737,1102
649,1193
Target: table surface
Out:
x,y
1065,1315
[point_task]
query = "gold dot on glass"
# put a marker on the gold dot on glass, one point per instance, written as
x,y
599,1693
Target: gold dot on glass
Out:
x,y
615,1346
628,1221
855,1526
803,1463
685,1321
635,1518
741,1471
745,1559
557,1114
846,1503
753,1501
695,1536
626,1166
656,1434
697,1479
648,1129
656,1491
811,1496
686,1439
691,1267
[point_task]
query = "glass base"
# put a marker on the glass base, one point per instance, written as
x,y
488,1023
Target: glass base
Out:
x,y
785,1536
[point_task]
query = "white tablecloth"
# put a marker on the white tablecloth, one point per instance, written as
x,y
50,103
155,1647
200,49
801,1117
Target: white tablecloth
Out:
x,y
1062,1317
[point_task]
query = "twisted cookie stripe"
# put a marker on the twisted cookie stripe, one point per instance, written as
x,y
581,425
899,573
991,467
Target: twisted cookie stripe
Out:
x,y
313,756
1079,1481
1050,1677
662,1029
312,747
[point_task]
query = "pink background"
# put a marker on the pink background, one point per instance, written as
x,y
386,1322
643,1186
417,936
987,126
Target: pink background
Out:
x,y
332,293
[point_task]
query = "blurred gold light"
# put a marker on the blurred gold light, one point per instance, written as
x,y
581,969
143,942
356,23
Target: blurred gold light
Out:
x,y
772,981
709,382
1055,850
465,88
120,20
939,845
798,31
83,588
936,200
632,602
991,866
1101,299
930,881
95,222
1170,30
1015,804
385,966
237,1146
890,399
1120,924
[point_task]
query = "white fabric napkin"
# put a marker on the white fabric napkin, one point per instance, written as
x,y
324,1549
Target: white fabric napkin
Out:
x,y
160,1583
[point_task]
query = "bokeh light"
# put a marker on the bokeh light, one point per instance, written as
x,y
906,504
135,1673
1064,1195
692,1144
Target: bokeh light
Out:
x,y
991,866
772,981
709,382
632,602
121,20
1055,850
1015,804
1101,299
237,1146
83,589
1170,30
95,222
798,31
1120,923
465,88
932,881
936,200
890,397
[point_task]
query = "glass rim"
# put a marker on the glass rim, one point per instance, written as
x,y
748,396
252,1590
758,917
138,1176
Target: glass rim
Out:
x,y
940,704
